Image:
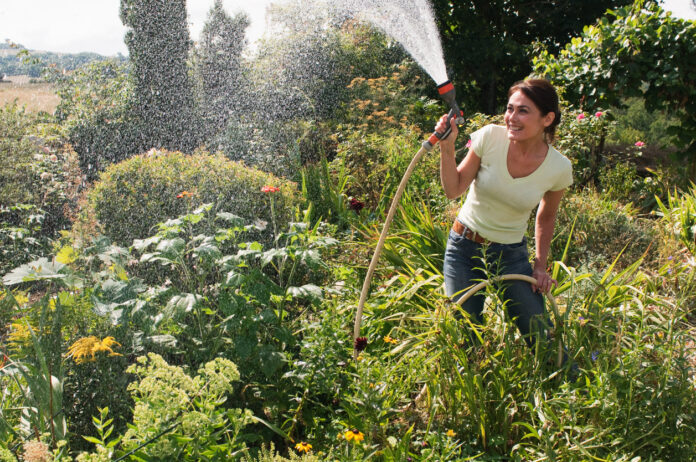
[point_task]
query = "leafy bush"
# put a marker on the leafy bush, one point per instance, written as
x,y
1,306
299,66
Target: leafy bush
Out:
x,y
637,51
179,417
582,137
636,123
132,197
621,182
39,182
21,236
679,217
598,229
17,175
96,108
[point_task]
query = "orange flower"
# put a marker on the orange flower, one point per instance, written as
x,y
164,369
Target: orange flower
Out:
x,y
270,189
391,340
184,194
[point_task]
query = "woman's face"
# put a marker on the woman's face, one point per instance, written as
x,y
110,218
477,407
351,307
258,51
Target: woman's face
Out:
x,y
524,120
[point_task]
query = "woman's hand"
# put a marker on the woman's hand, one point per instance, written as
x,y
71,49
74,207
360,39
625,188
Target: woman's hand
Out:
x,y
448,143
544,281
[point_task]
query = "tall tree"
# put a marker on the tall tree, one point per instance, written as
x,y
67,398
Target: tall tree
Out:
x,y
158,44
490,42
218,60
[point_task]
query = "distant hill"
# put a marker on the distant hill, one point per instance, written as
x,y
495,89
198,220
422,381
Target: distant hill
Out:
x,y
12,64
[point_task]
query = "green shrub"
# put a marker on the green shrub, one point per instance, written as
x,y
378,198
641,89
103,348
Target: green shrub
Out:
x,y
679,217
179,417
36,167
599,228
133,196
635,123
269,454
582,138
97,109
21,236
622,182
16,158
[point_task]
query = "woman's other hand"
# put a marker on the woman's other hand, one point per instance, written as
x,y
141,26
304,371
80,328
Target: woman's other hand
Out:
x,y
544,281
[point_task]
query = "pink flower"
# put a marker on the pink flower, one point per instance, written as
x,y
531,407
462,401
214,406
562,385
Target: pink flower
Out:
x,y
270,189
598,114
580,116
640,144
468,144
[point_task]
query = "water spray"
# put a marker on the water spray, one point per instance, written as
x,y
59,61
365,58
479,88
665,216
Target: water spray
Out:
x,y
446,91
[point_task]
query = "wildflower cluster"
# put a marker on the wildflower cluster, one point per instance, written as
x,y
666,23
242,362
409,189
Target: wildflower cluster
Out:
x,y
166,395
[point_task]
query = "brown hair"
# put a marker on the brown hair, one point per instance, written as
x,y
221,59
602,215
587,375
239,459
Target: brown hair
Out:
x,y
544,96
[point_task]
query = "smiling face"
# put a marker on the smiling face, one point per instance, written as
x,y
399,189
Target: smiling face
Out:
x,y
524,120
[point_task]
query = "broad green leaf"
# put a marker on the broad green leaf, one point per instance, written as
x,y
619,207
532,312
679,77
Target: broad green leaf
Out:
x,y
183,303
309,291
41,269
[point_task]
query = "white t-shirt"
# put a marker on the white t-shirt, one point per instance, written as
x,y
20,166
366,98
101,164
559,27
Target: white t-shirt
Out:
x,y
497,205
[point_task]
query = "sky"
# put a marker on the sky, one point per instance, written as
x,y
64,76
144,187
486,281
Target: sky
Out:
x,y
73,26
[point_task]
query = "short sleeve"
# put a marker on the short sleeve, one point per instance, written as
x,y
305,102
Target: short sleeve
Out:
x,y
480,140
565,175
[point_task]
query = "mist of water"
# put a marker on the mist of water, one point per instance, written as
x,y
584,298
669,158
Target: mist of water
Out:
x,y
409,22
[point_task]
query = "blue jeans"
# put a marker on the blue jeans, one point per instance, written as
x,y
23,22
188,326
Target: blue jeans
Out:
x,y
468,263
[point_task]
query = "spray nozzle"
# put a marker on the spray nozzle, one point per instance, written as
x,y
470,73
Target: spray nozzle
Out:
x,y
446,91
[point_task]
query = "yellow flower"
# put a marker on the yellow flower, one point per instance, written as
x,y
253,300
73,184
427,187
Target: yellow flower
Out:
x,y
19,335
354,435
451,433
303,447
391,340
86,348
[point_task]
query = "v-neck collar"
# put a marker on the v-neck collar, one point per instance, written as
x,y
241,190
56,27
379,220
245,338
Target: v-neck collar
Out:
x,y
505,162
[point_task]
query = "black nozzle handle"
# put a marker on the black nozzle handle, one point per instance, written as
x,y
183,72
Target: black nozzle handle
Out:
x,y
437,136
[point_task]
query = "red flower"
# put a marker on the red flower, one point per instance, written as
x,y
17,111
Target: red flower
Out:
x,y
640,144
468,144
580,116
355,204
598,114
270,189
360,343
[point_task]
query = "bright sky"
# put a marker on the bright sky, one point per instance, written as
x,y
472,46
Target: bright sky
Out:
x,y
73,26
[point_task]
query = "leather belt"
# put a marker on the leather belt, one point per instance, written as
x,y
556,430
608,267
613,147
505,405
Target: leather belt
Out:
x,y
463,230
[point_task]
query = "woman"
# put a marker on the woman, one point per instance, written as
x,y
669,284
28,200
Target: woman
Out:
x,y
508,171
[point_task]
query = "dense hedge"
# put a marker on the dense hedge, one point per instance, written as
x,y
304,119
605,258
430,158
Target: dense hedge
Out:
x,y
134,195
